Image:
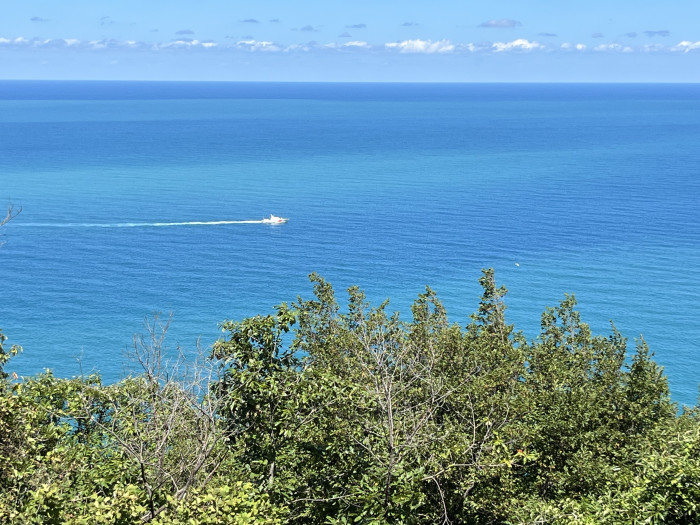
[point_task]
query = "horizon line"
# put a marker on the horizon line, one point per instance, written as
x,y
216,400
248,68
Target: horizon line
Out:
x,y
213,81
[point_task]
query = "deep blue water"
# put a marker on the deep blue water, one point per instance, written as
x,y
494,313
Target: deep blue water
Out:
x,y
590,189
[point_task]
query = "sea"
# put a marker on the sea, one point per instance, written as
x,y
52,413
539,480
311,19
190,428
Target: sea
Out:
x,y
146,198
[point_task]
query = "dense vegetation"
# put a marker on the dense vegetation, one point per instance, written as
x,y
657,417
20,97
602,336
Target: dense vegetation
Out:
x,y
322,414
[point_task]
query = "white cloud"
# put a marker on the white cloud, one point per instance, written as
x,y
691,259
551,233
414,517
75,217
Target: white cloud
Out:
x,y
358,44
686,46
652,48
519,44
615,48
98,44
257,45
355,44
414,46
186,44
422,46
469,47
305,47
15,42
115,44
567,46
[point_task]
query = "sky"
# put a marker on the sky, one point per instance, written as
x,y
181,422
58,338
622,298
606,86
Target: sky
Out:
x,y
352,40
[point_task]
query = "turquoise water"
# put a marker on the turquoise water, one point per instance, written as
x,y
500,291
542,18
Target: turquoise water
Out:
x,y
590,189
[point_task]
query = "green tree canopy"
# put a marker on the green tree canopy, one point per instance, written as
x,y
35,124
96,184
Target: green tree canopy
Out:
x,y
331,414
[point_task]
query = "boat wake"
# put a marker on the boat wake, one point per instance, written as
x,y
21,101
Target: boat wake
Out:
x,y
130,224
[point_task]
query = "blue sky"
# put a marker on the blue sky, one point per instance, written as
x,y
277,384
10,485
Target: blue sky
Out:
x,y
352,40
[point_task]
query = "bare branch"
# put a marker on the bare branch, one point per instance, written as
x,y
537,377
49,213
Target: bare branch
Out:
x,y
165,420
11,214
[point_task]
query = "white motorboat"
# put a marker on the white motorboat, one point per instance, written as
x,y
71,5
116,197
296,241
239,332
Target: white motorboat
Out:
x,y
274,219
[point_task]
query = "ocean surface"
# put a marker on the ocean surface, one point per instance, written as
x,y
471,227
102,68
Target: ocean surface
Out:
x,y
143,197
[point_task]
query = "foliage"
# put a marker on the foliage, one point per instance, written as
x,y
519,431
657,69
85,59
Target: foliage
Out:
x,y
5,355
319,413
586,409
52,468
238,503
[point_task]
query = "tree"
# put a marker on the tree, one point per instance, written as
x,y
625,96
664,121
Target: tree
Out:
x,y
366,416
164,421
319,413
588,408
11,214
6,354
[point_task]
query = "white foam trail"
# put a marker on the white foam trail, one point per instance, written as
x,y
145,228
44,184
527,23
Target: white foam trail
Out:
x,y
128,224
